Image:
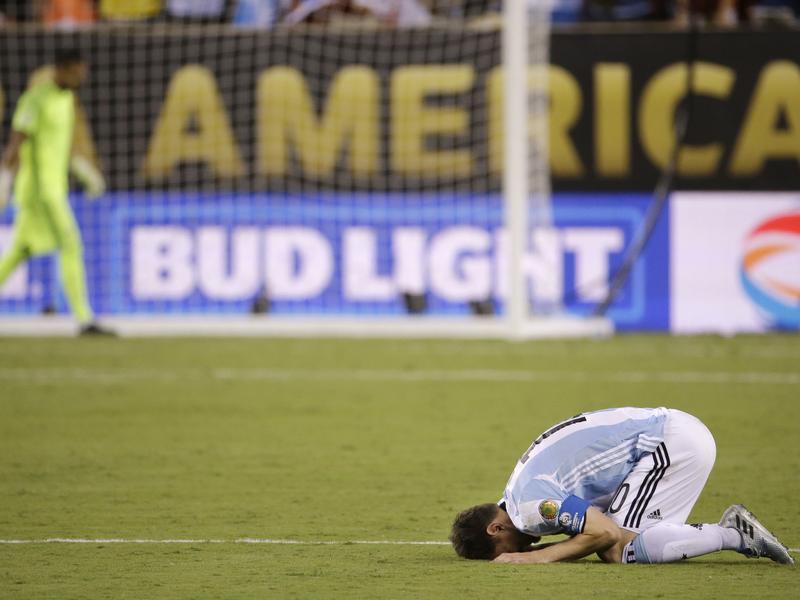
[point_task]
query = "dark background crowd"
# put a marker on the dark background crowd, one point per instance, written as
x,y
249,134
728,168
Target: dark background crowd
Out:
x,y
394,13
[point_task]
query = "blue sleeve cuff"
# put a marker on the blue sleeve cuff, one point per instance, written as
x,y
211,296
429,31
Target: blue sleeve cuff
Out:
x,y
572,514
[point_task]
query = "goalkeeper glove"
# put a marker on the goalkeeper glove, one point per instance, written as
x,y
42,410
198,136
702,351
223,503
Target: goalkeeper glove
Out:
x,y
6,181
91,178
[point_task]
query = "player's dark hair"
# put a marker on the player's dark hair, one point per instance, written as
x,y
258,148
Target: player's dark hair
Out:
x,y
66,56
469,536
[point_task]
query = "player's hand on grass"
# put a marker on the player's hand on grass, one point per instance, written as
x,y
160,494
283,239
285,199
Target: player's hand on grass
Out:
x,y
517,558
90,176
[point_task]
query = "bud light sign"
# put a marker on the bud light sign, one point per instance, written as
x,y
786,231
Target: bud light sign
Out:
x,y
347,254
360,254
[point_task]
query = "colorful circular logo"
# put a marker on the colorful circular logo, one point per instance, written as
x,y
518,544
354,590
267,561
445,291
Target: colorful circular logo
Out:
x,y
770,270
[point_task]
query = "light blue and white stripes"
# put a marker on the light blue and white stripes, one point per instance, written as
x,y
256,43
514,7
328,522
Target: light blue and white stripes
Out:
x,y
588,458
597,463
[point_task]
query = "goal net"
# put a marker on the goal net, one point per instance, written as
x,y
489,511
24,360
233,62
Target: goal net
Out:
x,y
342,171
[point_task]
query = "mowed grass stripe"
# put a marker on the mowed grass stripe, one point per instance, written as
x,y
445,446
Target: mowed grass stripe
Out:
x,y
49,375
264,541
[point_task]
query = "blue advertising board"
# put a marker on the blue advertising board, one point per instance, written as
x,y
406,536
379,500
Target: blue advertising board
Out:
x,y
346,254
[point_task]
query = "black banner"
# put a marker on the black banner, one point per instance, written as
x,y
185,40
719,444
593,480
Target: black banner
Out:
x,y
202,108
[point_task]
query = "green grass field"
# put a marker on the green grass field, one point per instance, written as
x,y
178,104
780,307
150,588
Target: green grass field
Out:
x,y
322,440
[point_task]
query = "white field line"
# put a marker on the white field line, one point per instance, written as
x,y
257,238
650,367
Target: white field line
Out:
x,y
47,375
266,541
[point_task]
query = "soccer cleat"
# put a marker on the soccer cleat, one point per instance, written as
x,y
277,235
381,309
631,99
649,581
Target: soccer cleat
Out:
x,y
757,541
95,330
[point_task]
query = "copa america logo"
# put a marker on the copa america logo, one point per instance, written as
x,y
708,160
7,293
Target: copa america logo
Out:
x,y
770,270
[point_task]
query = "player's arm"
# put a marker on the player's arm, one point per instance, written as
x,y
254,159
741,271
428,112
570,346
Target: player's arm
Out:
x,y
10,159
8,164
598,534
23,125
90,176
85,170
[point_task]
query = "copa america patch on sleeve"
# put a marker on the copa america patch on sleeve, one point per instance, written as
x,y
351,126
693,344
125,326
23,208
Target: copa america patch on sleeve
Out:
x,y
548,509
572,514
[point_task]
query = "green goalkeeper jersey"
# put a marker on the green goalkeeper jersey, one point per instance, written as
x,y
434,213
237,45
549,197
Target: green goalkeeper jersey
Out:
x,y
46,114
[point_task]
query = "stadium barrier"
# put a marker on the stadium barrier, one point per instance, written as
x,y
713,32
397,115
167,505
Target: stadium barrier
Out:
x,y
718,262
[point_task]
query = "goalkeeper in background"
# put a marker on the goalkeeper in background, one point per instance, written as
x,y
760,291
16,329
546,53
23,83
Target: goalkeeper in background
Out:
x,y
40,152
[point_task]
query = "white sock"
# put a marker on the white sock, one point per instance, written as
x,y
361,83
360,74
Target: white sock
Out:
x,y
668,542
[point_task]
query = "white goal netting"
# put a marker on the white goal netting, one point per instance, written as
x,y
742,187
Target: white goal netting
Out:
x,y
317,170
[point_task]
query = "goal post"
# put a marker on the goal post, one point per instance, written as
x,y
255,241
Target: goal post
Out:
x,y
517,163
527,192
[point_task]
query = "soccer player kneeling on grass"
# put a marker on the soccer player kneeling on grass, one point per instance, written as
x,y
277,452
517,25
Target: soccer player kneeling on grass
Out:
x,y
41,146
621,483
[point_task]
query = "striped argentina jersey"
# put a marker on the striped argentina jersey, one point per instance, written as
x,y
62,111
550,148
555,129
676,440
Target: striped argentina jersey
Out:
x,y
577,463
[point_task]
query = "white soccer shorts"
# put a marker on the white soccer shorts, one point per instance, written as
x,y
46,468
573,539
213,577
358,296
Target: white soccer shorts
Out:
x,y
664,486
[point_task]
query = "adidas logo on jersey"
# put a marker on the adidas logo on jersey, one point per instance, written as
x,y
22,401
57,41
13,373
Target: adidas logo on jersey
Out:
x,y
656,515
